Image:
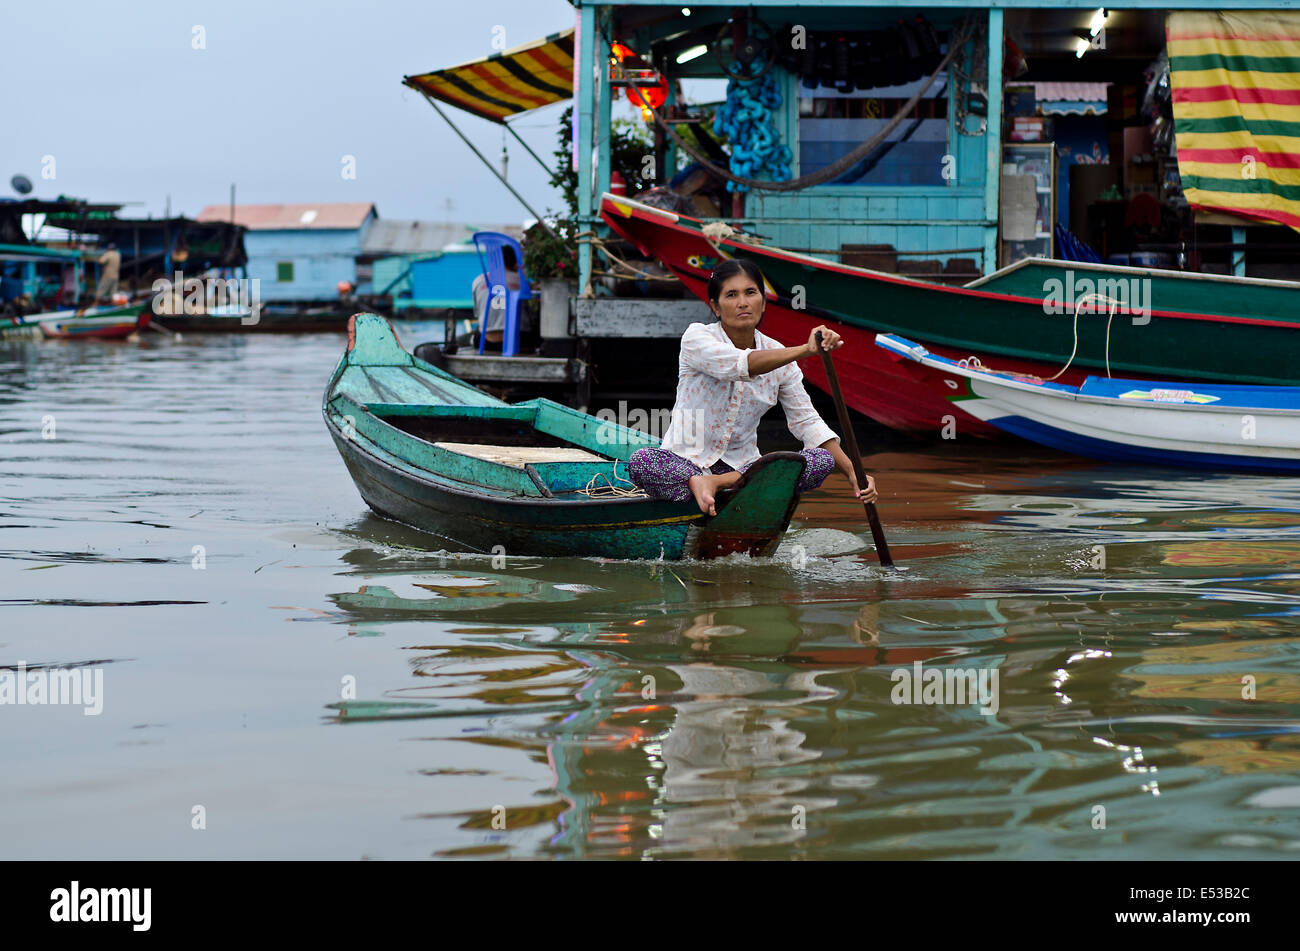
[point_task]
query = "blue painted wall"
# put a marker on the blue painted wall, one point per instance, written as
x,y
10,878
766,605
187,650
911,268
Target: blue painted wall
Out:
x,y
321,258
441,279
446,279
933,218
823,219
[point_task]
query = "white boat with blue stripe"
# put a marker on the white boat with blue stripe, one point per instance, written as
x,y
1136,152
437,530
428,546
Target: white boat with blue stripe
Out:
x,y
1122,420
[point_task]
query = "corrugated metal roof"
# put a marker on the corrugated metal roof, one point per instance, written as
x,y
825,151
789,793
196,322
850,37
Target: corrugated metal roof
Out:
x,y
389,236
324,215
1055,92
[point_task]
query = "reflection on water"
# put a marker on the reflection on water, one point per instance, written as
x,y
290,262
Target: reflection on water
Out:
x,y
295,664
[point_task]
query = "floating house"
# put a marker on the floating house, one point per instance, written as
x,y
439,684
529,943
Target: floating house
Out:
x,y
929,199
36,273
1048,114
301,252
151,248
936,150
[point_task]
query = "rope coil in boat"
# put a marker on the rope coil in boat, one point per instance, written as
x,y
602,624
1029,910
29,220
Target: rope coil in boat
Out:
x,y
593,490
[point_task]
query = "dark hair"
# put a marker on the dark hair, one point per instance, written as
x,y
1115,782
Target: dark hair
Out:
x,y
730,268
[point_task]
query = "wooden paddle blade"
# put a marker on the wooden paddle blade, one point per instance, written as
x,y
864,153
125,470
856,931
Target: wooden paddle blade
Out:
x,y
878,535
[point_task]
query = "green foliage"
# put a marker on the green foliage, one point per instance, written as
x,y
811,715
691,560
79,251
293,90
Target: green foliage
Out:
x,y
630,146
564,176
687,131
546,256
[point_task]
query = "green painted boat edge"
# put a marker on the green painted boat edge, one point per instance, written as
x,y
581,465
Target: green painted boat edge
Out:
x,y
1193,292
987,321
1154,346
653,528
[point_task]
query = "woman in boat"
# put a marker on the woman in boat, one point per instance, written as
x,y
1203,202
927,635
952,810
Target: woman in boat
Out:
x,y
729,375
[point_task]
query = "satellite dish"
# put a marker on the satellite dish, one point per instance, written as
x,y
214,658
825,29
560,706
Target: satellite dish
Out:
x,y
21,184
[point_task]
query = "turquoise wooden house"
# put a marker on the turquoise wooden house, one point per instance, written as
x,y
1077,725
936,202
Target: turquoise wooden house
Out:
x,y
842,70
934,139
936,195
929,194
28,270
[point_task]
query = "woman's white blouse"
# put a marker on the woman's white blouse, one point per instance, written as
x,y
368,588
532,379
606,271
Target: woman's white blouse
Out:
x,y
719,404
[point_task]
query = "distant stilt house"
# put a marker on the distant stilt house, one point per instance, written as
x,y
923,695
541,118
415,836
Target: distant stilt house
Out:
x,y
301,252
151,248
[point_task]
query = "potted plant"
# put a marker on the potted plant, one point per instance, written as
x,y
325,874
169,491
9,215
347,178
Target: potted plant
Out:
x,y
551,262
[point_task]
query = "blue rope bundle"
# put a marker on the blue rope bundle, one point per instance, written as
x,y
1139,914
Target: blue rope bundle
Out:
x,y
746,120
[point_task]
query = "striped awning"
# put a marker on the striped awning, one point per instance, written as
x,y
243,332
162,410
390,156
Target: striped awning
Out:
x,y
1236,91
1067,99
526,77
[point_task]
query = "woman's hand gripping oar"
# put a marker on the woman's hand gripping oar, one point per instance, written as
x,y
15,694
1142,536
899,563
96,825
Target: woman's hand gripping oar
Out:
x,y
850,445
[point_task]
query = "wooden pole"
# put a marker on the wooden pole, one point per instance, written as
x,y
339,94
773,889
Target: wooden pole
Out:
x,y
849,442
490,167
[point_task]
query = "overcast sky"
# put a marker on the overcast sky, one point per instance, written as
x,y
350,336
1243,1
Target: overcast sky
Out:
x,y
132,112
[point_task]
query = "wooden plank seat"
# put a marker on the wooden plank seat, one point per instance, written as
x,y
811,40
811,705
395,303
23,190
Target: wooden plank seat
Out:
x,y
555,470
520,456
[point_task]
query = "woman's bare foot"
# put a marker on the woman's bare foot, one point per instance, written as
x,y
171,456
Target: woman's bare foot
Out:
x,y
705,487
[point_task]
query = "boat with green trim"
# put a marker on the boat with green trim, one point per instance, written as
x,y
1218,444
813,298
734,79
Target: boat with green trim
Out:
x,y
111,322
537,478
97,323
1053,319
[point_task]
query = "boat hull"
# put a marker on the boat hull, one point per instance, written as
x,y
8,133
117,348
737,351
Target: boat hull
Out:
x,y
902,396
1111,450
641,529
1244,331
112,325
1184,292
1137,421
267,321
471,504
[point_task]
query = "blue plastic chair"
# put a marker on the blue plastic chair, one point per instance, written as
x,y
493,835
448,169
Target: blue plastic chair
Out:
x,y
491,245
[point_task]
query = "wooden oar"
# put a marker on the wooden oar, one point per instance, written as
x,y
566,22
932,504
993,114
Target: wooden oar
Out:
x,y
849,443
154,325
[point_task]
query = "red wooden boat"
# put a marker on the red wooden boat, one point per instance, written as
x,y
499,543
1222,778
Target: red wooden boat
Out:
x,y
1207,327
100,323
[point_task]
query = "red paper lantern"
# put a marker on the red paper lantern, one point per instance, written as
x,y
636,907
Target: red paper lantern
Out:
x,y
640,96
653,96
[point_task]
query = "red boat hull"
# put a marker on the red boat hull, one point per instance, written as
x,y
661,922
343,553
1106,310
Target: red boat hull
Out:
x,y
895,392
96,328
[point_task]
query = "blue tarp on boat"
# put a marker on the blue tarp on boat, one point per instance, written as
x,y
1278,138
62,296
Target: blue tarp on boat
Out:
x,y
1247,397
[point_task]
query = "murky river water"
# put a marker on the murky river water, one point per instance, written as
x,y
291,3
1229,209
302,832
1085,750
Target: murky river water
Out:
x,y
285,675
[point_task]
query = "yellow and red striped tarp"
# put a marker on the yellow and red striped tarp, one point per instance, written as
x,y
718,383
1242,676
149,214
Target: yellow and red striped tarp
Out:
x,y
526,77
1236,89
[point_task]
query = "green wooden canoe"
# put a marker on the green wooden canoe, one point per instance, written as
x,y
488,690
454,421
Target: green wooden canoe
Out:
x,y
433,452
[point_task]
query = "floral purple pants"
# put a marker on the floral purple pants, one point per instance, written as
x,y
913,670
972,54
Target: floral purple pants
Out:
x,y
664,475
